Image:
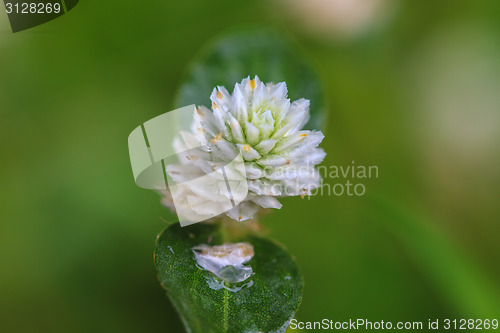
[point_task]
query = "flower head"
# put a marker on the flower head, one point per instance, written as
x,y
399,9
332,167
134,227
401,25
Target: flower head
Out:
x,y
259,123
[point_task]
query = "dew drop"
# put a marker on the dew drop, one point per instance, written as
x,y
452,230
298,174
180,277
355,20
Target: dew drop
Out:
x,y
226,261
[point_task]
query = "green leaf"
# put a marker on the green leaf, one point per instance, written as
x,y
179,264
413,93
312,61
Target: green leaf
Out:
x,y
264,302
264,53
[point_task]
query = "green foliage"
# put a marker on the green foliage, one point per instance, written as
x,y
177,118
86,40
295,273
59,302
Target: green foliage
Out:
x,y
248,53
265,302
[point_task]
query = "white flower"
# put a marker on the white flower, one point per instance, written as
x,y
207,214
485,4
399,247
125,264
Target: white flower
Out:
x,y
257,121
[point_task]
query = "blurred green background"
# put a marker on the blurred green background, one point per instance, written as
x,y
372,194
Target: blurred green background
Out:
x,y
412,87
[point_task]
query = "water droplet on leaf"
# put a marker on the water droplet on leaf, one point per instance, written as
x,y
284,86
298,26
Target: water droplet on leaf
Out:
x,y
226,261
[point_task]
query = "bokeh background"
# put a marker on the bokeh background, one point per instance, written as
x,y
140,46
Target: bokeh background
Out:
x,y
412,87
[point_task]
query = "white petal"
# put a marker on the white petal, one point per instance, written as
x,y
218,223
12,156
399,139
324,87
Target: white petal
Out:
x,y
283,108
236,130
312,140
273,160
221,97
278,94
290,141
240,103
266,124
201,205
245,87
266,201
259,94
190,140
228,149
182,173
244,211
208,188
295,119
278,91
300,109
221,118
253,171
312,156
209,168
248,152
205,118
252,133
265,146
